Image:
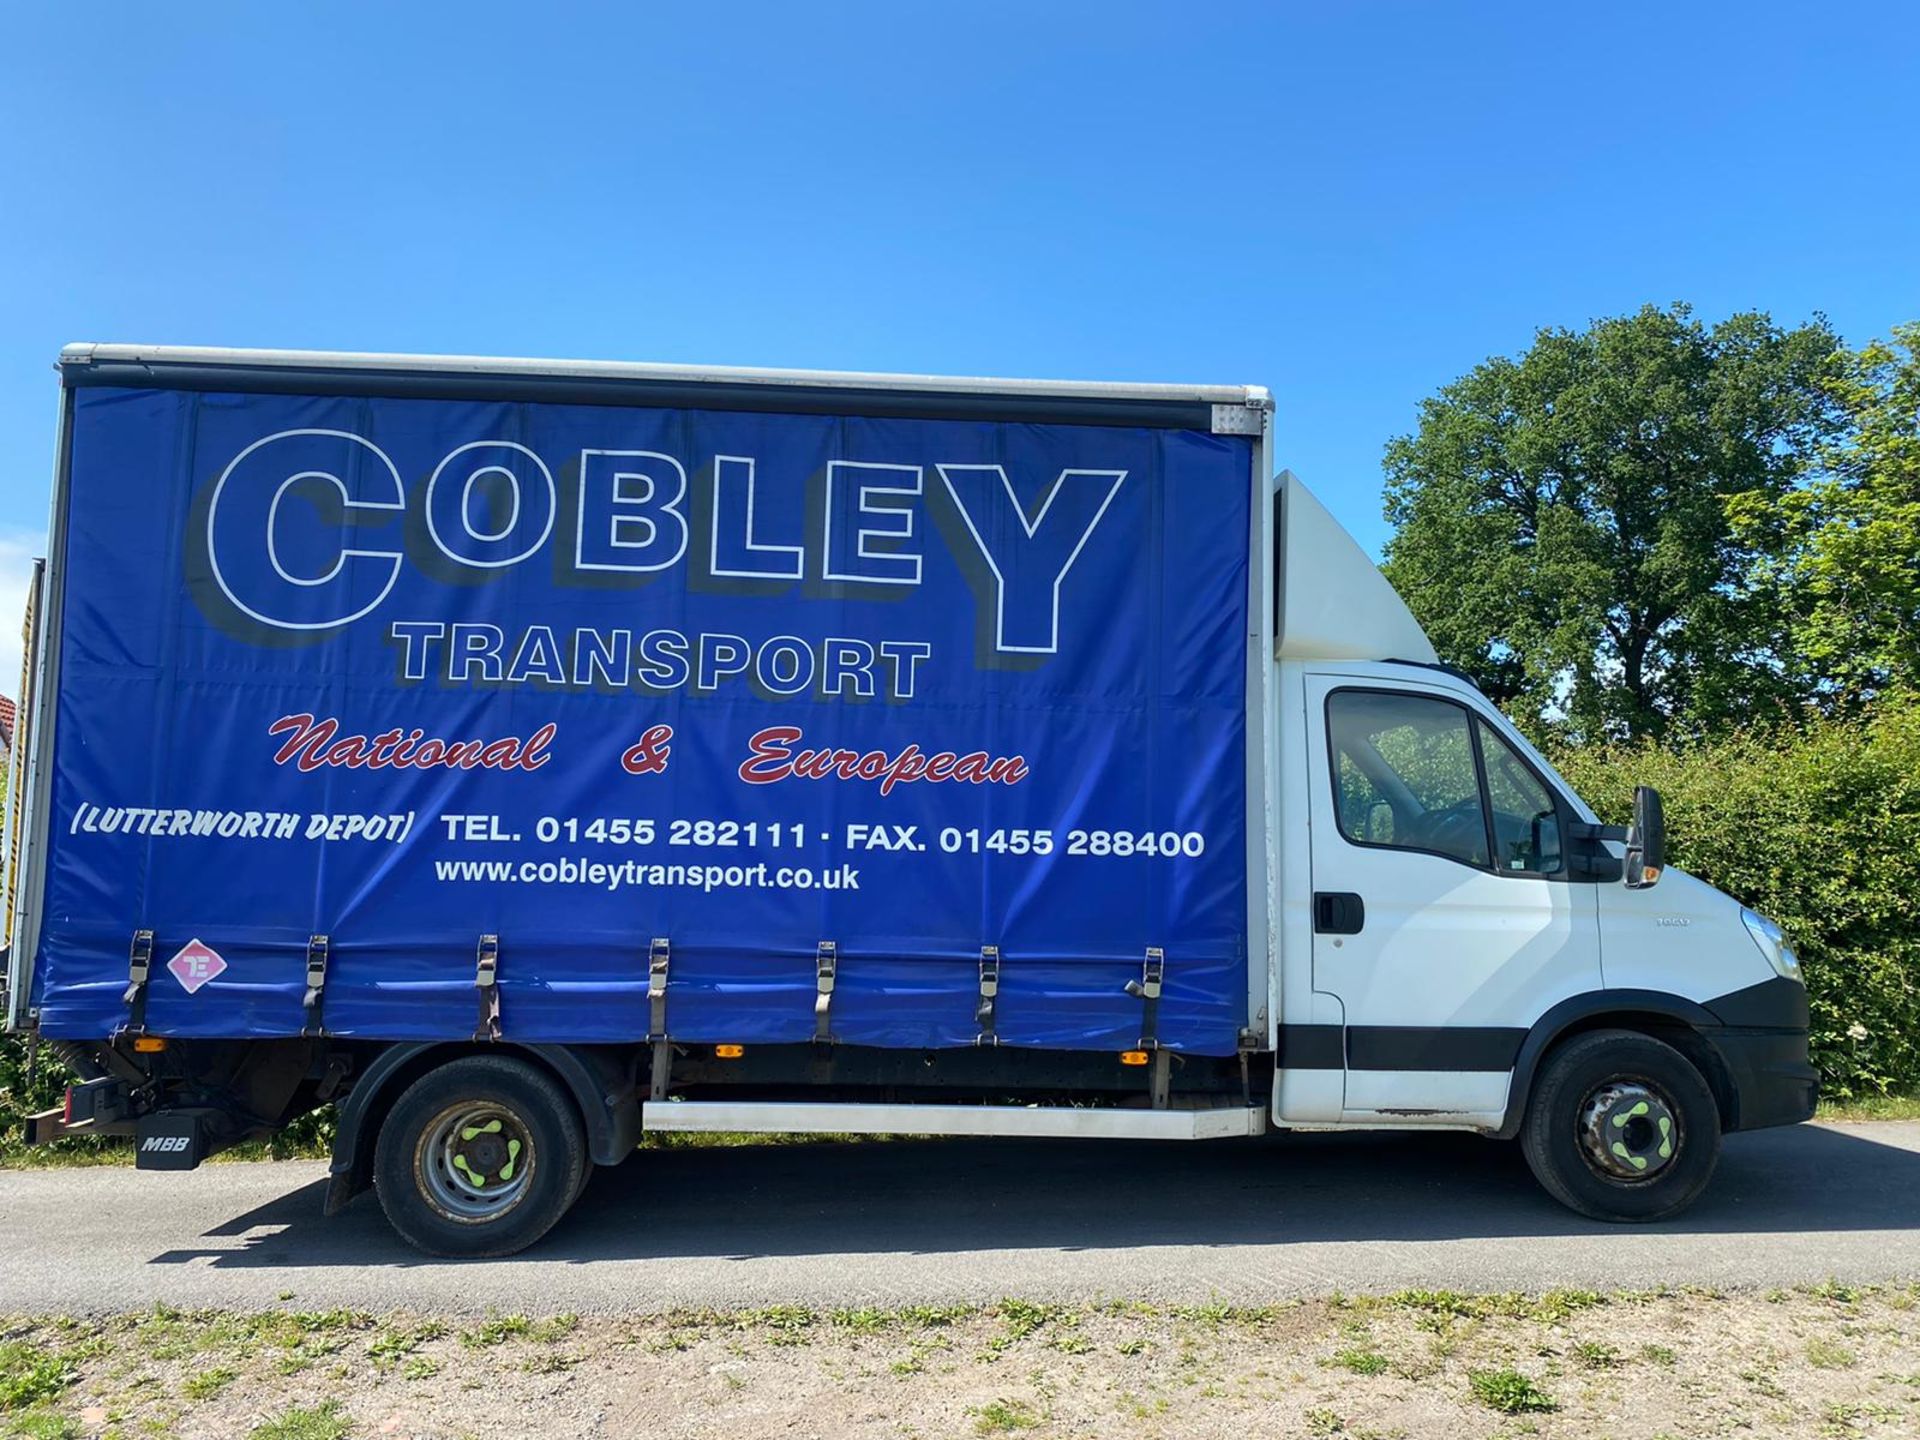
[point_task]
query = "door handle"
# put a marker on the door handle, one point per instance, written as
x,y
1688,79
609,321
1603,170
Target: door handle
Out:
x,y
1338,912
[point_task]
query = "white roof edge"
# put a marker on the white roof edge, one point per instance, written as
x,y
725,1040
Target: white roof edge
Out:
x,y
88,353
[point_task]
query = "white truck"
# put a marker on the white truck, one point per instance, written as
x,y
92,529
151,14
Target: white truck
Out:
x,y
521,755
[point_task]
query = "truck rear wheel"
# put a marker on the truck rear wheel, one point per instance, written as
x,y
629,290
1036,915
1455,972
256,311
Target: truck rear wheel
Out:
x,y
479,1157
1621,1127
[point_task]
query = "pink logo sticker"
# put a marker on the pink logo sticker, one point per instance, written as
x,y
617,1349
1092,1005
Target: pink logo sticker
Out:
x,y
195,965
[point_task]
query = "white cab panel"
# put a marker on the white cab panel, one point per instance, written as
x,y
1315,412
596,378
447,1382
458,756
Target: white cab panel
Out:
x,y
1454,961
1679,937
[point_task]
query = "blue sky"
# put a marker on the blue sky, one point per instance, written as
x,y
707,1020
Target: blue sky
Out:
x,y
1350,203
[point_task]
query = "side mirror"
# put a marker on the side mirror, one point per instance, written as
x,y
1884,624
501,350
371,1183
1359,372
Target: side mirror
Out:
x,y
1647,840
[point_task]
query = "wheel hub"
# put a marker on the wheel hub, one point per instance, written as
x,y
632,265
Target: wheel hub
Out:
x,y
1628,1131
475,1161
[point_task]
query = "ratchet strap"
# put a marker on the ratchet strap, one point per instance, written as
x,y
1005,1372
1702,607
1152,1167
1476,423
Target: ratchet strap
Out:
x,y
1147,990
486,983
989,994
826,963
139,967
658,957
317,946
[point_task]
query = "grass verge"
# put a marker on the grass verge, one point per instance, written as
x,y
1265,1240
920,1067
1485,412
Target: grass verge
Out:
x,y
1814,1361
1871,1107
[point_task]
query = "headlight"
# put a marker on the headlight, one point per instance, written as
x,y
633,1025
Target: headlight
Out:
x,y
1772,941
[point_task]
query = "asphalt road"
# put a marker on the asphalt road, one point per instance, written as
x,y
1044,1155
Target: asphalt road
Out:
x,y
947,1221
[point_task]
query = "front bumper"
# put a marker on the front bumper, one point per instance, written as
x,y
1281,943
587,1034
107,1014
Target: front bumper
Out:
x,y
1774,1083
1763,1040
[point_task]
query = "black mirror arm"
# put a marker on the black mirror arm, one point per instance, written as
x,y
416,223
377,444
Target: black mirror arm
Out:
x,y
1580,830
1585,859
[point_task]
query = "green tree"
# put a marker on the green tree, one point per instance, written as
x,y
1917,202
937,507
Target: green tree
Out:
x,y
1842,553
1562,525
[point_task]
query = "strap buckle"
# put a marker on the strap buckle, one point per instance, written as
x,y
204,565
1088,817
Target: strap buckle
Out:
x,y
826,965
317,947
659,956
486,981
139,967
1147,990
984,1013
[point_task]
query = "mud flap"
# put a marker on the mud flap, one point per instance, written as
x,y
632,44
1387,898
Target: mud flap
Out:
x,y
171,1140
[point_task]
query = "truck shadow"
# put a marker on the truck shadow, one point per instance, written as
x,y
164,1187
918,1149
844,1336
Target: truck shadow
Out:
x,y
933,1196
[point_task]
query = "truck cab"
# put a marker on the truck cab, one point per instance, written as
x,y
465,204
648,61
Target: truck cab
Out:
x,y
1452,914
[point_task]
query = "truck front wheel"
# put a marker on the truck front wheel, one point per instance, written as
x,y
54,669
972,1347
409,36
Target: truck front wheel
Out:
x,y
1621,1127
479,1157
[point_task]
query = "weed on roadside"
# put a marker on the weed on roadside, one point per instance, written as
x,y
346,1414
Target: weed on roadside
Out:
x,y
1833,1290
935,1317
205,1384
1509,1392
496,1330
1593,1355
29,1374
1361,1362
1018,1320
1824,1354
783,1324
325,1421
1002,1417
43,1425
864,1321
391,1346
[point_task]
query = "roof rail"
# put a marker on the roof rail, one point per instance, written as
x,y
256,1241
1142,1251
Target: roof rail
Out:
x,y
1442,666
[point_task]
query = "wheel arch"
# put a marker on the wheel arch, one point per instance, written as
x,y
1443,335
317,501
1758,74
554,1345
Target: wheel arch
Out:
x,y
601,1080
1682,1023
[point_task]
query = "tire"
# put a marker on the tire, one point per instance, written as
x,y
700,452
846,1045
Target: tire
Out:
x,y
479,1157
1593,1135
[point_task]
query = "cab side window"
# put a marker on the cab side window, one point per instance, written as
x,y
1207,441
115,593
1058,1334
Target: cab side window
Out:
x,y
1405,774
1526,824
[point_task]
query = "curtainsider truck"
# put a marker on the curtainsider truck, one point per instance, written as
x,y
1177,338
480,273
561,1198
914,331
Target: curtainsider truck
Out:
x,y
520,756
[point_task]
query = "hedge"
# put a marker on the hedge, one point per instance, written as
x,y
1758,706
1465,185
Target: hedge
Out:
x,y
1818,827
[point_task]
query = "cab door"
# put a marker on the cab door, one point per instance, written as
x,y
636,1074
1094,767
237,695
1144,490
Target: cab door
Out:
x,y
1444,920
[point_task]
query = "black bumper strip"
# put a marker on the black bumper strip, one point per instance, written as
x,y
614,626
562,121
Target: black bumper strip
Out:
x,y
1311,1047
1436,1047
1399,1047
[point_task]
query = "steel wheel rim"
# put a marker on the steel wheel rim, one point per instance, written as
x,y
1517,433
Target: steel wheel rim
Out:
x,y
475,1161
1629,1131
